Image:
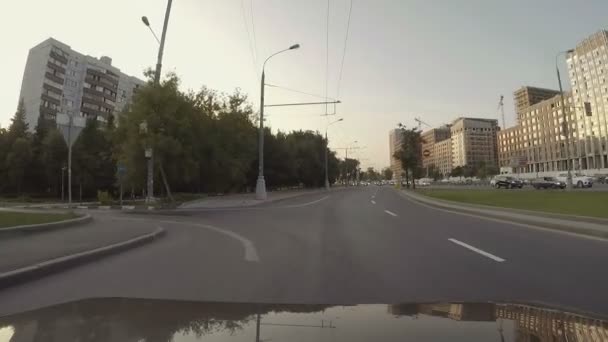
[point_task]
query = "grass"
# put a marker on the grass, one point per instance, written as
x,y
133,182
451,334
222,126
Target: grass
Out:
x,y
580,203
10,219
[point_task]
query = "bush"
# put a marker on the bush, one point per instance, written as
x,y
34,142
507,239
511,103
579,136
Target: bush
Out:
x,y
104,197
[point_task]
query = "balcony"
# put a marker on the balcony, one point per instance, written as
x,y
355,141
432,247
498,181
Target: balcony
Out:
x,y
54,78
56,67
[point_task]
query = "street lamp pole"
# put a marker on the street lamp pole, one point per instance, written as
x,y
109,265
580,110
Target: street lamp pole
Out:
x,y
63,168
260,186
565,124
159,63
327,153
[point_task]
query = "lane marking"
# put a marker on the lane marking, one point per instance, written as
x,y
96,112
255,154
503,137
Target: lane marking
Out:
x,y
375,193
518,224
251,253
303,204
477,250
373,202
390,213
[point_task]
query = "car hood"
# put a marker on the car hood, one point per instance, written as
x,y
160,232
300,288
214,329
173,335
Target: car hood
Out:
x,y
159,320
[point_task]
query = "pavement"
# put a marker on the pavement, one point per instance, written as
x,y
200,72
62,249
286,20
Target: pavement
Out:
x,y
356,245
25,249
244,200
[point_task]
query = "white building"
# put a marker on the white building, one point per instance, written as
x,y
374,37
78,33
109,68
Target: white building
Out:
x,y
473,140
58,79
588,71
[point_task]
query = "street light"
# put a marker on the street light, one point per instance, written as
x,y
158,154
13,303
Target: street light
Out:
x,y
260,186
159,62
565,128
327,152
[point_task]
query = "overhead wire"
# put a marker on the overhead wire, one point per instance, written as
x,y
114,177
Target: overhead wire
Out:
x,y
255,46
251,48
350,10
326,56
297,91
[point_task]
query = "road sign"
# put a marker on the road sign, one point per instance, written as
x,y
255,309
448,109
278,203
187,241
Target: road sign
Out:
x,y
426,153
70,127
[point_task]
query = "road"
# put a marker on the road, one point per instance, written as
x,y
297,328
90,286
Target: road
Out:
x,y
359,245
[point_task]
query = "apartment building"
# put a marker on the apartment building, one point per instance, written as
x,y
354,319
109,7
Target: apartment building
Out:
x,y
394,144
588,71
527,96
537,144
58,79
473,140
437,142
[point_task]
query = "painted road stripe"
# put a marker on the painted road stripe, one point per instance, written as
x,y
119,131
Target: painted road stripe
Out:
x,y
373,202
477,250
390,213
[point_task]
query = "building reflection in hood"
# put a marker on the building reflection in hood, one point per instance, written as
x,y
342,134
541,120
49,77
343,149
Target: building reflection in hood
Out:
x,y
161,321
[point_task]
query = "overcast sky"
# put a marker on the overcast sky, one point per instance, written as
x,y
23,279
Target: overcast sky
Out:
x,y
434,59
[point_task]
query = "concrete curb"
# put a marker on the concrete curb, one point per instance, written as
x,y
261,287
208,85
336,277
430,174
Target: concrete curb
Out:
x,y
41,269
48,226
566,225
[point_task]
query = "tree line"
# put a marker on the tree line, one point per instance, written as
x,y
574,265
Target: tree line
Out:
x,y
202,142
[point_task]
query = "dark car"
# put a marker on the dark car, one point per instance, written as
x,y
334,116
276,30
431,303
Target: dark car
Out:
x,y
506,182
548,183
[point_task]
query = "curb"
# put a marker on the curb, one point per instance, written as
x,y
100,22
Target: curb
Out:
x,y
48,226
559,224
20,275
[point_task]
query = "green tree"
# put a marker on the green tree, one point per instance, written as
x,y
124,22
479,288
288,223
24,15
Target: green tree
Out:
x,y
17,160
387,173
53,157
409,153
458,171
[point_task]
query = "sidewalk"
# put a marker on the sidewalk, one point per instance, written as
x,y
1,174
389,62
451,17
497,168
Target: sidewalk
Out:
x,y
243,200
573,224
22,250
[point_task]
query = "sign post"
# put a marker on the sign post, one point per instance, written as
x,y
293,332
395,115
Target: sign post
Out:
x,y
70,128
121,170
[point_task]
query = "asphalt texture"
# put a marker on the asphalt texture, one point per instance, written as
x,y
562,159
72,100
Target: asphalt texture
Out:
x,y
359,245
25,249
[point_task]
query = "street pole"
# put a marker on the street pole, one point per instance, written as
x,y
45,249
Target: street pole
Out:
x,y
565,124
157,72
327,153
62,185
70,161
260,186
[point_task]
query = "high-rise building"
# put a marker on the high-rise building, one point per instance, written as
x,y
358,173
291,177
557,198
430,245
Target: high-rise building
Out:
x,y
58,79
473,141
588,71
526,96
394,145
536,144
437,142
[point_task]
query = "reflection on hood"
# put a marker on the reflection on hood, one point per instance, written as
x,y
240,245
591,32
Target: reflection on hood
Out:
x,y
159,320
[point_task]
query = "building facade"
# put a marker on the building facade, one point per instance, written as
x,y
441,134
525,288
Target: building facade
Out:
x,y
588,71
442,152
527,96
473,141
437,142
537,144
394,145
58,79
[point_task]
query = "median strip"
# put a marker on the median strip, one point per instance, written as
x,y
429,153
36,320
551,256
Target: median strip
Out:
x,y
477,250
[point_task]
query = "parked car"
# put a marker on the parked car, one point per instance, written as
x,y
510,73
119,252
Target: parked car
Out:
x,y
506,182
578,180
548,183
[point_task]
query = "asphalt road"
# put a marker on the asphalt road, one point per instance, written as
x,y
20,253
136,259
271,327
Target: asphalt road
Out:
x,y
359,245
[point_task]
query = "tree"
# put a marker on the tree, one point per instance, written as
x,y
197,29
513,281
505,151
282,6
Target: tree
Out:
x,y
387,173
434,173
53,157
17,160
18,127
409,153
458,171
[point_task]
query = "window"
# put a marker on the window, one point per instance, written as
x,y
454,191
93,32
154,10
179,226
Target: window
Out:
x,y
71,83
73,63
71,73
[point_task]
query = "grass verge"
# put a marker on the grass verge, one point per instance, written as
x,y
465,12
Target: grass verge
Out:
x,y
579,203
11,219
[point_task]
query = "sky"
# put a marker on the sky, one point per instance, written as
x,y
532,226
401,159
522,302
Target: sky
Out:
x,y
432,59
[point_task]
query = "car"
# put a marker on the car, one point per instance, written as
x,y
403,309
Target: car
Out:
x,y
507,182
578,180
548,183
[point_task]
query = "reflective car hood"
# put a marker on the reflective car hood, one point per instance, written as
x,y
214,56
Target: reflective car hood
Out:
x,y
159,320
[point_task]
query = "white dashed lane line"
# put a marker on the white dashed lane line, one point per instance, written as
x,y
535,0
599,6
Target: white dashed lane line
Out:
x,y
477,250
373,202
390,213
